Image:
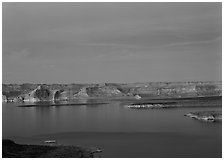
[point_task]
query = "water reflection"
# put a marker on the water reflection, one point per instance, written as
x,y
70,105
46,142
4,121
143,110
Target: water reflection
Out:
x,y
116,129
76,102
97,115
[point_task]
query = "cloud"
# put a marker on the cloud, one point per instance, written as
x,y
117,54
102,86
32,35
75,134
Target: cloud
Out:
x,y
190,43
17,55
62,38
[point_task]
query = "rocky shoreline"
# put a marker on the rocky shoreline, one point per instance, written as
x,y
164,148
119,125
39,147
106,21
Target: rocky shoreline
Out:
x,y
213,101
207,116
152,105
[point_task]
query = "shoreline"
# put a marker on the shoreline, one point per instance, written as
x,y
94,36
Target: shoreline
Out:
x,y
153,144
10,149
127,101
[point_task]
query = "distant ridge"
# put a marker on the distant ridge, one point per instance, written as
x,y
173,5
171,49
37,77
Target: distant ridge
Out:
x,y
14,92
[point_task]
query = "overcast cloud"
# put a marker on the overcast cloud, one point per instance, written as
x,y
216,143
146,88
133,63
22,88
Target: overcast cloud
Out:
x,y
111,42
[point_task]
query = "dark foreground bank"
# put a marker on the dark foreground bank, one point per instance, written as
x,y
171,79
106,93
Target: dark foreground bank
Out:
x,y
12,150
144,144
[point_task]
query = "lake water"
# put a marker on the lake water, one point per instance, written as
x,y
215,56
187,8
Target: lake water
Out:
x,y
117,130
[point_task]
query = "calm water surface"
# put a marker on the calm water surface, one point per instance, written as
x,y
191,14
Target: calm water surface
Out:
x,y
119,131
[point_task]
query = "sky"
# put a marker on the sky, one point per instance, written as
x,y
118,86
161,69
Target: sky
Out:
x,y
111,42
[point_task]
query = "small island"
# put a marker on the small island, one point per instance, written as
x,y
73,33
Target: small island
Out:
x,y
151,105
208,116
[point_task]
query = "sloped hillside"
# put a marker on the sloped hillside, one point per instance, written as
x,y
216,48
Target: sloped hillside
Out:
x,y
100,91
174,89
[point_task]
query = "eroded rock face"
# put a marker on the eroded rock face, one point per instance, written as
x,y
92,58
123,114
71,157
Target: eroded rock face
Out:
x,y
208,116
103,91
99,91
4,98
82,93
42,94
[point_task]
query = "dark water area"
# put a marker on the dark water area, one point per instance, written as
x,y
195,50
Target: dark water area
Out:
x,y
117,130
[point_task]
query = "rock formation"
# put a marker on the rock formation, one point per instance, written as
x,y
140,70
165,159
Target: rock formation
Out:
x,y
41,93
4,98
208,116
82,93
99,91
51,92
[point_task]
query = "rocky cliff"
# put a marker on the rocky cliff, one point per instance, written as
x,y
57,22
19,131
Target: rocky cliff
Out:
x,y
100,90
30,92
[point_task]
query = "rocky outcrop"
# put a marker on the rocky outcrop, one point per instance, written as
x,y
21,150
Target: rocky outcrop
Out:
x,y
151,105
137,97
208,116
4,98
41,93
145,106
82,93
99,91
63,96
